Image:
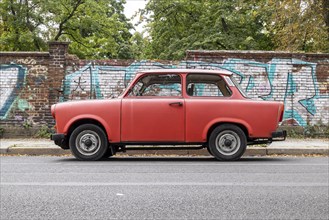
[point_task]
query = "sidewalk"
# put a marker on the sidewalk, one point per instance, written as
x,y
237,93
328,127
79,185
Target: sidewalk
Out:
x,y
291,147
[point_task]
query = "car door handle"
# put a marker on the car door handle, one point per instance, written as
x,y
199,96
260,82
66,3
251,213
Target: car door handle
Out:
x,y
176,103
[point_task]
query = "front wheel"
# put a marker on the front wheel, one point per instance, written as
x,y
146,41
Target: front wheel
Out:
x,y
88,142
227,142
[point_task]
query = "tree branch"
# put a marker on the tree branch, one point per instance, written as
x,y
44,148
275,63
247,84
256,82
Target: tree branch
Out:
x,y
61,25
75,39
225,26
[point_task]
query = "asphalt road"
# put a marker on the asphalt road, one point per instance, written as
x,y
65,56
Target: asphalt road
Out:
x,y
164,188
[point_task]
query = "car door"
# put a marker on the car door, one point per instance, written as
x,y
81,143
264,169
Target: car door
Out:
x,y
207,101
154,110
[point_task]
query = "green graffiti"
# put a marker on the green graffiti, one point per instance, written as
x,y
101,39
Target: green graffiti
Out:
x,y
23,104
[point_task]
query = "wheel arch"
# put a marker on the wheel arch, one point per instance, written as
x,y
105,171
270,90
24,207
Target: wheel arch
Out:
x,y
76,123
244,127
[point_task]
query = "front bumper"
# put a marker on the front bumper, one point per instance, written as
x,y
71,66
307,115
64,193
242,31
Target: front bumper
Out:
x,y
279,135
60,140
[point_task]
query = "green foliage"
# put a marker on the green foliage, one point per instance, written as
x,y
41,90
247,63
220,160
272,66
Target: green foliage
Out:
x,y
43,132
97,29
180,25
317,130
140,46
27,124
295,132
177,26
301,25
20,26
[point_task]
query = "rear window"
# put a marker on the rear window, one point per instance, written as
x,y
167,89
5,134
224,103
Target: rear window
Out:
x,y
206,85
237,85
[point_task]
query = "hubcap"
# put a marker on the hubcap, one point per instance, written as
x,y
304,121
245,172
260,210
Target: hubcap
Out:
x,y
228,142
88,142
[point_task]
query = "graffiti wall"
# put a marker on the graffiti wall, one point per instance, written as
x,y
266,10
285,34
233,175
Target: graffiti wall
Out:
x,y
24,93
292,81
12,81
27,82
301,81
31,82
102,81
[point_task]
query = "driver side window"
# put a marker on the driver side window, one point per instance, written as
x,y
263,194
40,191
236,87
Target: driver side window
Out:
x,y
158,85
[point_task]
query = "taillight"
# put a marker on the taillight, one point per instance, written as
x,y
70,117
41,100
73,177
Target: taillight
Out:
x,y
281,115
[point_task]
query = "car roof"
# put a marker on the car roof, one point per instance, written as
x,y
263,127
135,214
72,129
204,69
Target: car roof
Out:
x,y
203,71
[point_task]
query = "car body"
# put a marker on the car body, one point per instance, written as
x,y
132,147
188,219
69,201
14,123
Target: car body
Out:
x,y
207,108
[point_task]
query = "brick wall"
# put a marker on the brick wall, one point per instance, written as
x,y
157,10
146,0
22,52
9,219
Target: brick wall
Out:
x,y
300,80
29,85
31,82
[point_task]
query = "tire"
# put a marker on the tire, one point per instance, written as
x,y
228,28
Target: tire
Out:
x,y
209,151
88,142
227,142
108,153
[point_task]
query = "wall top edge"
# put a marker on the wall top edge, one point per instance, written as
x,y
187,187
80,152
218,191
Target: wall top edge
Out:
x,y
24,53
195,52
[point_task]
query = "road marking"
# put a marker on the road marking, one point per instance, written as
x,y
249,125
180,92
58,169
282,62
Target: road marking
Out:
x,y
270,184
132,172
10,163
78,164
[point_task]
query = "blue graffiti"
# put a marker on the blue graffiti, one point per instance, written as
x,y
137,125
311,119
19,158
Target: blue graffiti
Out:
x,y
8,99
251,84
128,73
291,85
270,72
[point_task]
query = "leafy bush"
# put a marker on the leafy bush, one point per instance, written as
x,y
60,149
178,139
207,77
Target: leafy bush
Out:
x,y
43,132
318,130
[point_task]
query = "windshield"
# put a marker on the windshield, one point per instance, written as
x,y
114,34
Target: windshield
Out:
x,y
237,85
127,85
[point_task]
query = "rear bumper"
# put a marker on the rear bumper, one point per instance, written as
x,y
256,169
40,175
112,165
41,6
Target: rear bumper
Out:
x,y
275,136
279,135
60,140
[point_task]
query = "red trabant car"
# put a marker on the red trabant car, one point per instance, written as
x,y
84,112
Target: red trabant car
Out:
x,y
206,108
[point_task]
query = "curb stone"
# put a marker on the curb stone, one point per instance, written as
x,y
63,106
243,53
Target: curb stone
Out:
x,y
297,151
252,151
37,151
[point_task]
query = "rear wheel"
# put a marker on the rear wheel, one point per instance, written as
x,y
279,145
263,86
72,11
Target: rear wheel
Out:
x,y
108,153
227,142
209,151
88,142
